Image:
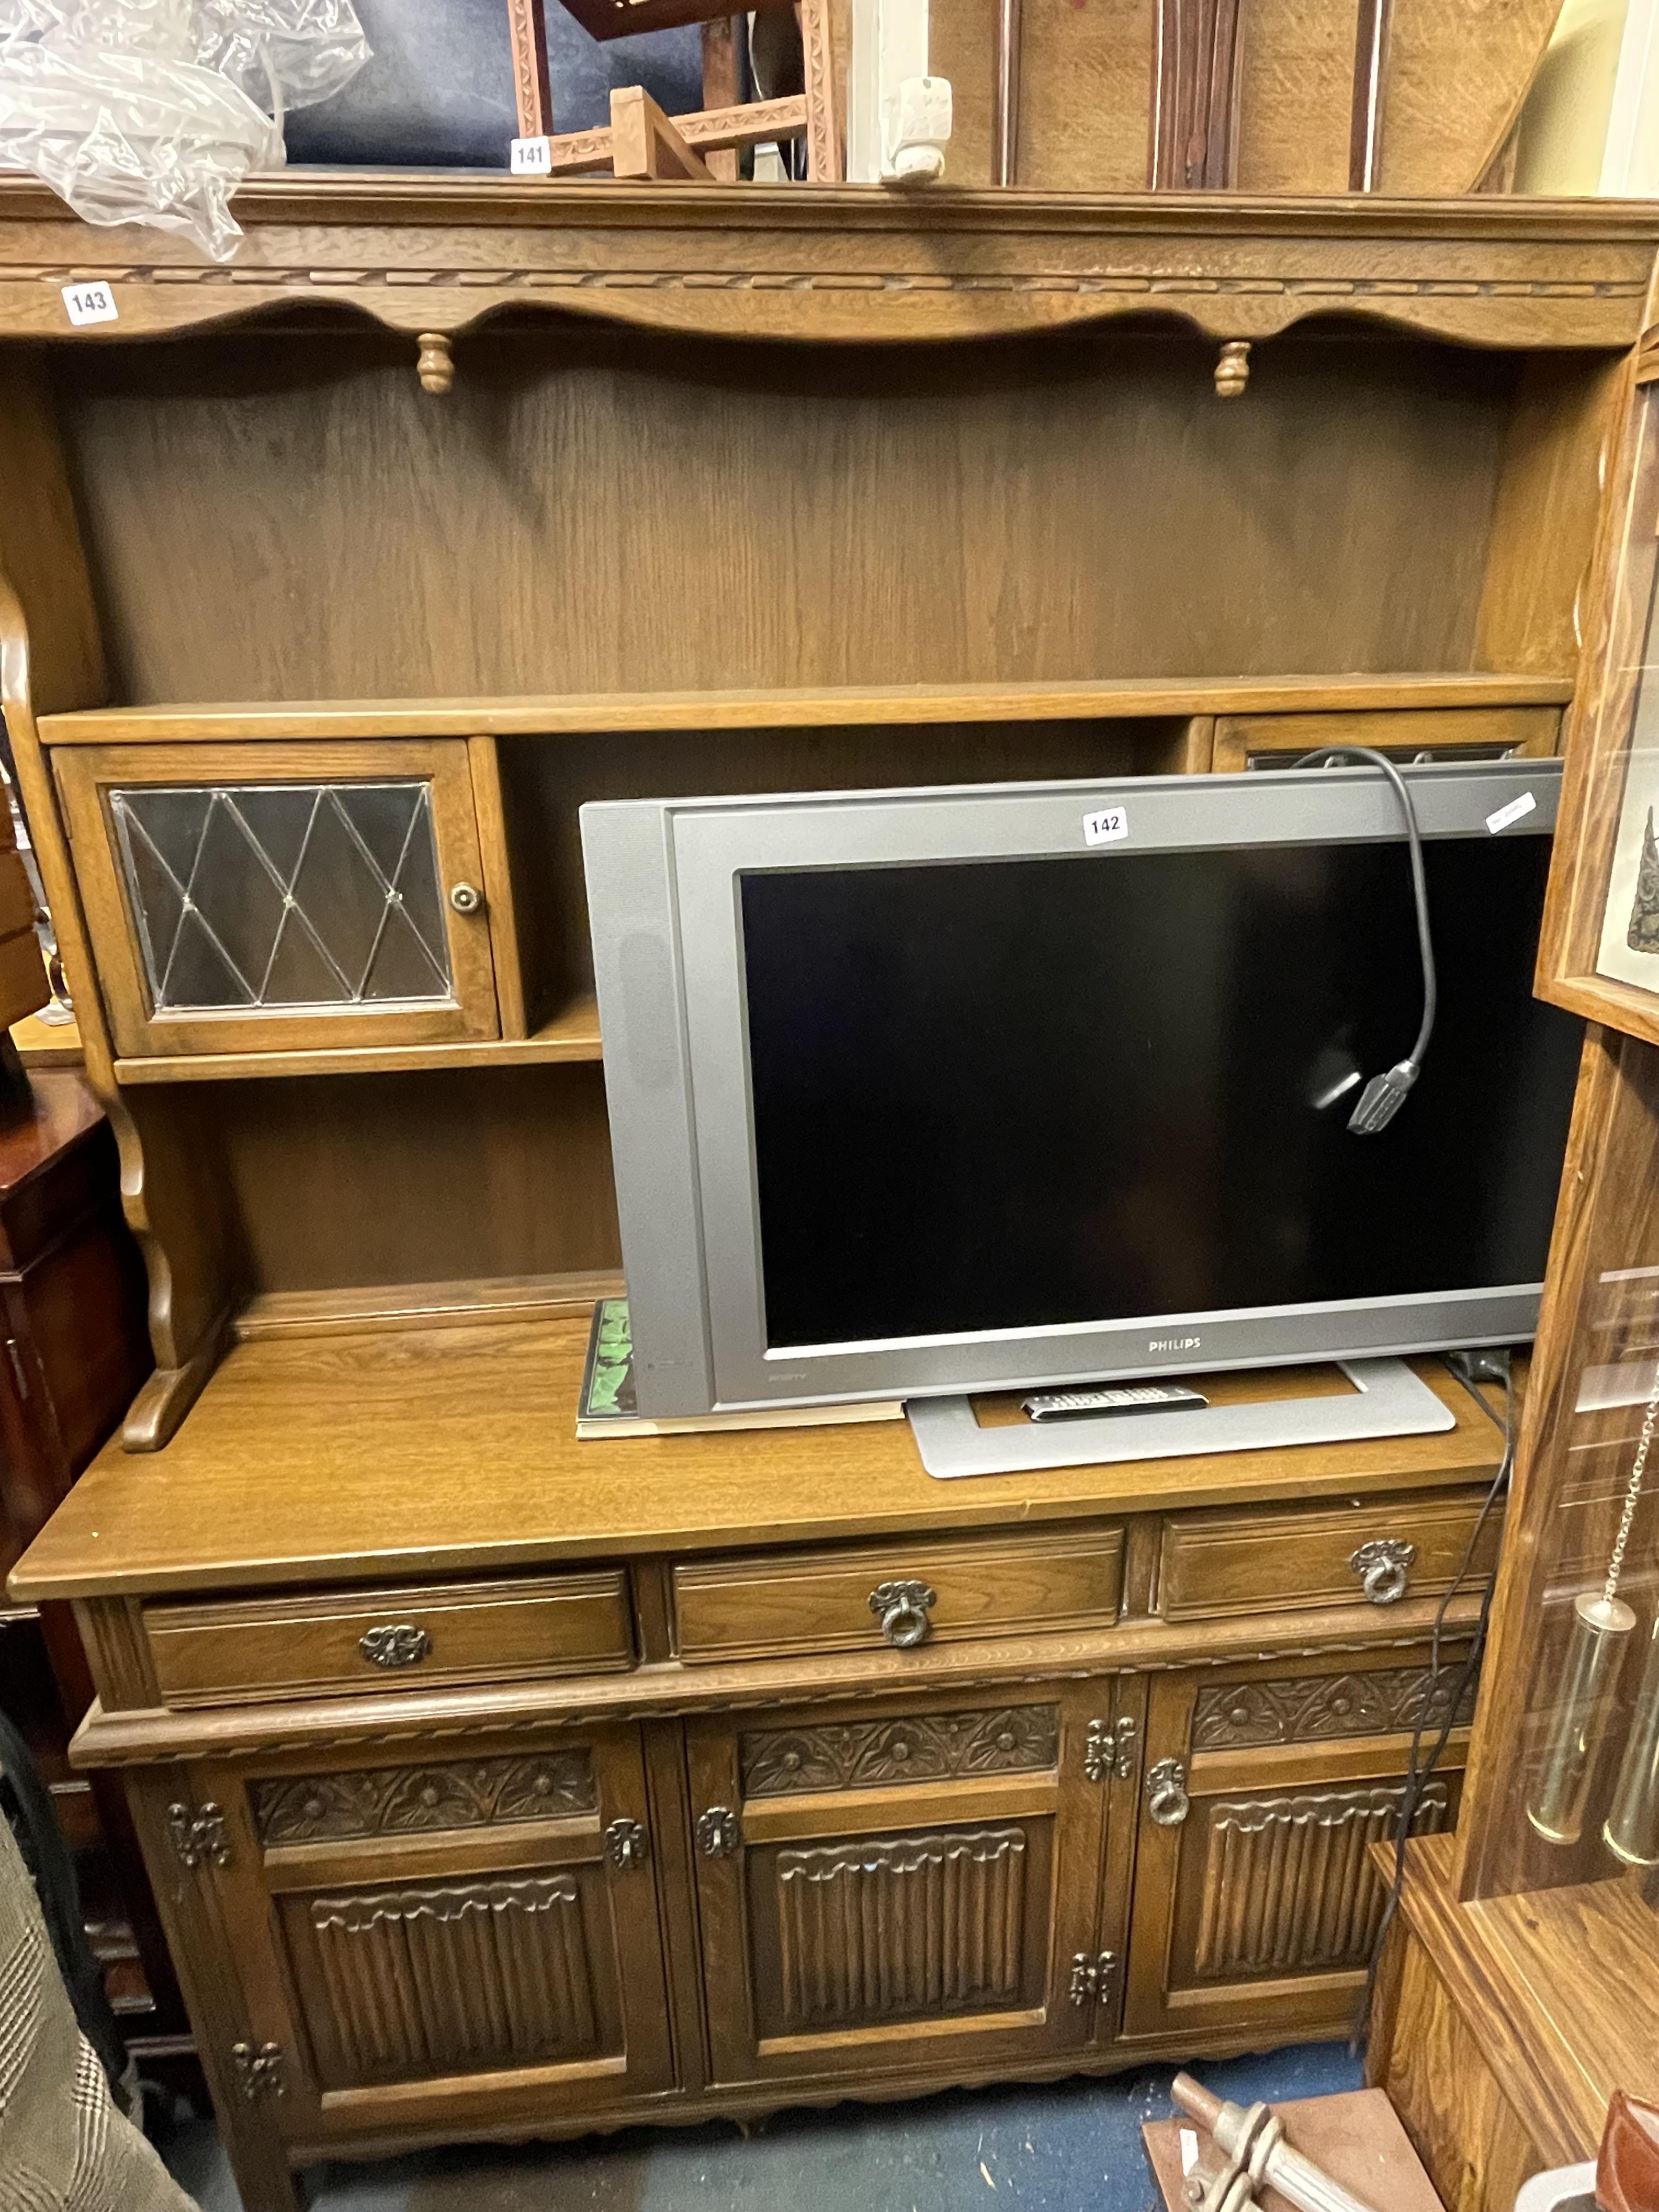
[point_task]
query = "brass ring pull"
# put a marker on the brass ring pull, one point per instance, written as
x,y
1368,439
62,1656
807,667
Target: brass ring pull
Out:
x,y
1383,1567
901,1609
1167,1801
400,1644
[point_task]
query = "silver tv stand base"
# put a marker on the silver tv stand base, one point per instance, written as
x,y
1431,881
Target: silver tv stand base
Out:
x,y
1387,1400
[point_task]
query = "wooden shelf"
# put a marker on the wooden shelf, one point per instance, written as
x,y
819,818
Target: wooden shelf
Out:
x,y
573,1033
828,707
380,1309
436,252
405,1451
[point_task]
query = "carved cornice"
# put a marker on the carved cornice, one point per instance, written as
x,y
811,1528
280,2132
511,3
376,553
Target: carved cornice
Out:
x,y
852,264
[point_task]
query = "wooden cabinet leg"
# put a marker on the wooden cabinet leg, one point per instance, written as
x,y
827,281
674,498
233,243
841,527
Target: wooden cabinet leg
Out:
x,y
244,2095
266,2182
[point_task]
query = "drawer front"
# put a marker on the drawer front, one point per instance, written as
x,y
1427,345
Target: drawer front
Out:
x,y
897,1595
1361,1551
1488,731
328,1642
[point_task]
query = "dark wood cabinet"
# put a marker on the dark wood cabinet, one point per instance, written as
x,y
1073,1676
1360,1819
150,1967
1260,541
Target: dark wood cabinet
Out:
x,y
430,1940
1256,1903
901,1890
75,1351
370,1561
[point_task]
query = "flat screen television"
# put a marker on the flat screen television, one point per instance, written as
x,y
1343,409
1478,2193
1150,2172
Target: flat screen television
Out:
x,y
916,1092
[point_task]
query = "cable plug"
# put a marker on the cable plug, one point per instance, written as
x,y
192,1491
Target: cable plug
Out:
x,y
1382,1099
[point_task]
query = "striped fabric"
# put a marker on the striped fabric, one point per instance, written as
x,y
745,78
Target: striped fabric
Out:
x,y
63,2148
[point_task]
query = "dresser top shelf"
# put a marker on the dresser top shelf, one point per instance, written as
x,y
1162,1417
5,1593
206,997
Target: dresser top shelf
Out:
x,y
828,706
454,1449
854,265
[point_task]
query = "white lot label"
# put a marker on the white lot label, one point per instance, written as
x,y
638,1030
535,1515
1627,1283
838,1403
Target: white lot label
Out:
x,y
90,303
1513,813
1107,827
530,157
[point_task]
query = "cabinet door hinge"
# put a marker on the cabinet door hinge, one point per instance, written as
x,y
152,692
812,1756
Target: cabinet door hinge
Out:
x,y
1110,1749
198,1834
258,2070
1094,1976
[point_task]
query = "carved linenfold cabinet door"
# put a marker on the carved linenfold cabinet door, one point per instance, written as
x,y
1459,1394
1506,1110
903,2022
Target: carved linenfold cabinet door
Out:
x,y
415,1940
902,1887
263,896
1262,1791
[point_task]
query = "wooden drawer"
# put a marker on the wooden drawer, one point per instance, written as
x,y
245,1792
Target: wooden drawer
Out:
x,y
791,1601
1361,1550
1241,739
329,1642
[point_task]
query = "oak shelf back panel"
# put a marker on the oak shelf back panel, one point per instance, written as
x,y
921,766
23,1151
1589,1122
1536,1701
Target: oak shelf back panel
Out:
x,y
335,1183
880,515
545,786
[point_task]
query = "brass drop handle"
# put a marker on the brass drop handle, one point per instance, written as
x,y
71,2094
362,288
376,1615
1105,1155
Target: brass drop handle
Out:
x,y
1383,1567
467,898
901,1609
399,1644
1167,1801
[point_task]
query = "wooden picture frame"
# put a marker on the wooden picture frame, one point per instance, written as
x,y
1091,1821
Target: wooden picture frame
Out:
x,y
1599,952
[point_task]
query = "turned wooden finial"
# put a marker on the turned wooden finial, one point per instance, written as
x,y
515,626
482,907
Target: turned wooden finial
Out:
x,y
1232,370
436,367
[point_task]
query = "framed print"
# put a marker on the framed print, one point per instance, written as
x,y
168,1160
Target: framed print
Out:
x,y
1599,955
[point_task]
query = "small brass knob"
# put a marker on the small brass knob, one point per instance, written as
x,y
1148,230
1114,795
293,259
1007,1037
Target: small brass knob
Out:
x,y
465,898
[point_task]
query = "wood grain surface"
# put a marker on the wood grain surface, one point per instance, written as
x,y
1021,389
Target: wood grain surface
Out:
x,y
840,264
310,1459
1353,491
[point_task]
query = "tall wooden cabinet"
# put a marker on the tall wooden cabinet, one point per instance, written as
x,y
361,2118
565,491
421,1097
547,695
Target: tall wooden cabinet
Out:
x,y
495,1784
1527,1945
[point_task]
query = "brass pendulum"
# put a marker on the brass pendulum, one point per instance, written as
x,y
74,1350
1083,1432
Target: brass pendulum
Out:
x,y
1631,1831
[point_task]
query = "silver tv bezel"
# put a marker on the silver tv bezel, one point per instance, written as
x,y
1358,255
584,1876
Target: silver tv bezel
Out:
x,y
662,877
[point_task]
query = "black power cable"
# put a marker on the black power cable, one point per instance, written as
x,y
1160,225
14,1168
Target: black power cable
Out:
x,y
1418,1768
1384,1095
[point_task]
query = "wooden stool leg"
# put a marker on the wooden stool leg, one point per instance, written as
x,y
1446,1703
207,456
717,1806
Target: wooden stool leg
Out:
x,y
720,88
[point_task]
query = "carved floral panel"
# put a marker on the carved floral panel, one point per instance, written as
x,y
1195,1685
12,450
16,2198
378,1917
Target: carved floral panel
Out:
x,y
924,1748
550,1785
1386,1702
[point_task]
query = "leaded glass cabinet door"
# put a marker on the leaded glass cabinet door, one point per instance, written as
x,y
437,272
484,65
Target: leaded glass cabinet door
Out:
x,y
258,898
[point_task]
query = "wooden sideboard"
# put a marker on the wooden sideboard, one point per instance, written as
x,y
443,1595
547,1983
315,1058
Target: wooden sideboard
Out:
x,y
558,1786
494,1785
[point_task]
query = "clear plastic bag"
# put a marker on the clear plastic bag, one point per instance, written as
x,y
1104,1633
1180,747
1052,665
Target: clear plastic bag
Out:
x,y
153,111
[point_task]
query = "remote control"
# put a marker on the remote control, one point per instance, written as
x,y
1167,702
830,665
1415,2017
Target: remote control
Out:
x,y
1136,1398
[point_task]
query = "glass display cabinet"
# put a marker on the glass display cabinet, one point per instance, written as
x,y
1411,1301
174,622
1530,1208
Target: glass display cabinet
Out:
x,y
1519,1993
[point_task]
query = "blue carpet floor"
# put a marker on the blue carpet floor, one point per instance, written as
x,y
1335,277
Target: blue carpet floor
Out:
x,y
1074,2147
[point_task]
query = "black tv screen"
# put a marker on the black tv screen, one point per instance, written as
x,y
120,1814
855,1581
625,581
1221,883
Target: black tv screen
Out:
x,y
1017,1093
